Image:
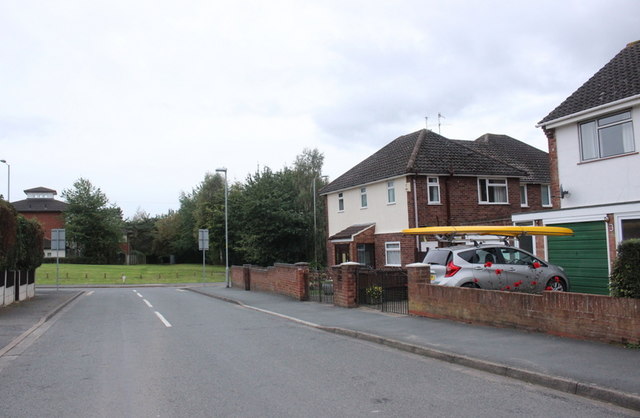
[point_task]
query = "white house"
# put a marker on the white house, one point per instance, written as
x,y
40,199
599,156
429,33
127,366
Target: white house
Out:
x,y
595,172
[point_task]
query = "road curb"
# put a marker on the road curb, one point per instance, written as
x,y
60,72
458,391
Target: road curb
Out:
x,y
38,324
592,391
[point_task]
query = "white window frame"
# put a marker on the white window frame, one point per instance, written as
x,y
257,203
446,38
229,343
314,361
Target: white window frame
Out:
x,y
433,182
545,190
363,198
492,183
391,193
392,247
340,202
524,193
591,134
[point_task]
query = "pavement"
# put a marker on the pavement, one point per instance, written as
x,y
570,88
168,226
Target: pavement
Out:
x,y
604,372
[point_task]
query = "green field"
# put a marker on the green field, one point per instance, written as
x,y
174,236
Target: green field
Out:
x,y
81,274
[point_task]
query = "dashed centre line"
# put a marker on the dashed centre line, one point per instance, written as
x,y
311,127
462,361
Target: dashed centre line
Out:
x,y
158,314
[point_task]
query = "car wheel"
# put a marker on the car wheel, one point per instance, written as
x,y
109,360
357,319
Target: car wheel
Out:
x,y
471,286
556,284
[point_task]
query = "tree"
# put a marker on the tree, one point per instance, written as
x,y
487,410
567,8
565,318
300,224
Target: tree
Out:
x,y
93,226
167,231
140,232
209,213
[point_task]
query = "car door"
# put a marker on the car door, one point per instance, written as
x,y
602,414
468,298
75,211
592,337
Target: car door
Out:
x,y
517,268
486,267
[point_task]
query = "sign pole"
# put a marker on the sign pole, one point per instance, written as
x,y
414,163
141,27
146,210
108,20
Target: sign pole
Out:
x,y
58,241
203,244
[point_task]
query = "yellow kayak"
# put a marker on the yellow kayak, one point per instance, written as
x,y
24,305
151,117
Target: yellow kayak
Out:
x,y
508,231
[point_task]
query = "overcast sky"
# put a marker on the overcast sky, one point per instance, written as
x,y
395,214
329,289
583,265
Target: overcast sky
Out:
x,y
143,98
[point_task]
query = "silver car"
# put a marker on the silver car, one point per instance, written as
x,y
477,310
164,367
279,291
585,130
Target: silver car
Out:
x,y
495,267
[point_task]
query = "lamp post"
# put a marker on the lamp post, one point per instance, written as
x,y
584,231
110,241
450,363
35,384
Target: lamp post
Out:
x,y
226,224
315,222
8,180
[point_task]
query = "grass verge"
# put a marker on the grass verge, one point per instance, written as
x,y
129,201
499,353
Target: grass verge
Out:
x,y
87,274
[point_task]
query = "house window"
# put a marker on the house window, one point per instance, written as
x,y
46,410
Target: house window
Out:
x,y
545,194
363,197
340,202
523,196
391,192
606,137
366,253
630,228
392,253
433,185
493,190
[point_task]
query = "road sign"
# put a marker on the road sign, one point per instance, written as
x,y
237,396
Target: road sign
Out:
x,y
203,239
57,239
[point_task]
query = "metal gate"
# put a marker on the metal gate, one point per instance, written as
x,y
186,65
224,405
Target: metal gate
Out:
x,y
383,289
321,286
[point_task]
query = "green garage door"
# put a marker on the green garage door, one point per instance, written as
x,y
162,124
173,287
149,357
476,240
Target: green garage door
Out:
x,y
583,256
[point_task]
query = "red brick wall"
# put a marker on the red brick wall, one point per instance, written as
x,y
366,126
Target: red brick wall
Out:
x,y
284,279
576,315
48,220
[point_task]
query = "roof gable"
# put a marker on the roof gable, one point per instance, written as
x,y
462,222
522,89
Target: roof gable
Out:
x,y
617,80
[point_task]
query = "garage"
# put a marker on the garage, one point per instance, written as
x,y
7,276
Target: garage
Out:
x,y
584,256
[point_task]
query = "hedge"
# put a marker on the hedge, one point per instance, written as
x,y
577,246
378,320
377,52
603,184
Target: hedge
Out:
x,y
21,240
625,277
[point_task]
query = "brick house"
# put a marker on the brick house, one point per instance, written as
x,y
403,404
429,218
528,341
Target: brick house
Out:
x,y
425,179
595,164
41,206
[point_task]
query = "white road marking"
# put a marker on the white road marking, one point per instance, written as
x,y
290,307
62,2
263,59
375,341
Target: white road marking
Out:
x,y
164,321
180,290
147,302
91,293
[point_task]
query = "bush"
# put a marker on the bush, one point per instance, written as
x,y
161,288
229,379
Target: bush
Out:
x,y
30,244
8,233
625,278
21,240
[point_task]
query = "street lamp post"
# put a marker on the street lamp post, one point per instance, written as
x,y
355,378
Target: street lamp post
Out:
x,y
315,223
226,224
8,179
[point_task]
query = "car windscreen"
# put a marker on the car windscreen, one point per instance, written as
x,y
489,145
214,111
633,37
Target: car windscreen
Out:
x,y
440,257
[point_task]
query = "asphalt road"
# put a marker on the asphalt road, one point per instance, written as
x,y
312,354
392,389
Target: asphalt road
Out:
x,y
163,352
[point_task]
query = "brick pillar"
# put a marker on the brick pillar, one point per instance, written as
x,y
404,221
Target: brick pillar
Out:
x,y
302,281
345,287
418,276
246,276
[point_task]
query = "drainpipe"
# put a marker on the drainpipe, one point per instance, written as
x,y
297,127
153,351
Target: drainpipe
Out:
x,y
415,212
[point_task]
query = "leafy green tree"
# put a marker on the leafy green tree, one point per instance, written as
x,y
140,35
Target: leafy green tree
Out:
x,y
275,226
93,226
209,214
309,179
166,233
140,232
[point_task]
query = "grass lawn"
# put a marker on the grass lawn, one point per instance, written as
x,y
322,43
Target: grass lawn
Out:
x,y
80,274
